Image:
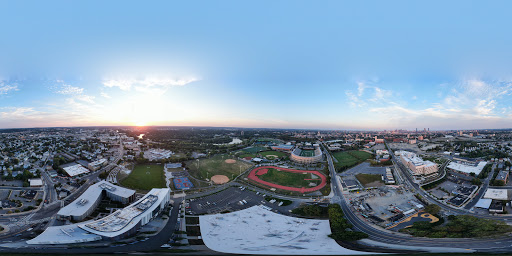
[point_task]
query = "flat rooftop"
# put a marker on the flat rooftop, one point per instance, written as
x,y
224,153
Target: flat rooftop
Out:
x,y
75,170
256,230
83,203
497,194
67,234
467,167
125,219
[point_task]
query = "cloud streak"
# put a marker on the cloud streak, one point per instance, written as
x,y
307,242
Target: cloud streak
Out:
x,y
6,88
141,84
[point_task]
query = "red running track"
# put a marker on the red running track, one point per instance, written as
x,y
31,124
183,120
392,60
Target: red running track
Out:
x,y
263,169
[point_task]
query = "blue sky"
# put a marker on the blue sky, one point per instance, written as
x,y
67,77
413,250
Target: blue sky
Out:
x,y
289,64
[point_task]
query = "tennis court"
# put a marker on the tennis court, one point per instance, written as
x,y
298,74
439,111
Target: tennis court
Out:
x,y
182,183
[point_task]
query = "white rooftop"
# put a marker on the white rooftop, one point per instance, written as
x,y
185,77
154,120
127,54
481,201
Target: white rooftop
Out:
x,y
67,234
483,203
75,170
35,182
125,219
466,167
256,230
496,194
83,203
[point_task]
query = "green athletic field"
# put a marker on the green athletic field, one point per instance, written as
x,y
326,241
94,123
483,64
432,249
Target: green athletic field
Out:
x,y
289,179
215,165
270,154
145,177
254,149
307,153
350,158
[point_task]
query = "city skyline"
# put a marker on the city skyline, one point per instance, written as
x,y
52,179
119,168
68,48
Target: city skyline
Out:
x,y
335,65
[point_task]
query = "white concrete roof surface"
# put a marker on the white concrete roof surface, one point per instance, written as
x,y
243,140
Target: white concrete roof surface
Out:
x,y
67,234
467,168
256,230
496,194
90,196
125,219
75,170
35,182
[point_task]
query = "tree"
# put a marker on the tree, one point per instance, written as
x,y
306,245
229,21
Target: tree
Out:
x,y
476,181
433,209
499,183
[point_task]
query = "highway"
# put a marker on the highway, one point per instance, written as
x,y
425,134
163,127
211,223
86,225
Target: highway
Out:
x,y
503,244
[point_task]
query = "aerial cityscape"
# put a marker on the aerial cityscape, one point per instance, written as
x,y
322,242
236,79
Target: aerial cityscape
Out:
x,y
255,127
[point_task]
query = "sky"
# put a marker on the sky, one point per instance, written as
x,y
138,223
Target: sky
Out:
x,y
367,65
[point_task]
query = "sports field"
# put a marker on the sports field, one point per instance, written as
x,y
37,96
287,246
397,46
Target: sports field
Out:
x,y
254,149
307,153
145,177
288,179
216,165
271,155
242,154
350,158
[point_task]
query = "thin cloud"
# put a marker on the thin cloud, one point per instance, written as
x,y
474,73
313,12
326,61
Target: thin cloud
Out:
x,y
6,88
105,95
74,92
67,89
147,82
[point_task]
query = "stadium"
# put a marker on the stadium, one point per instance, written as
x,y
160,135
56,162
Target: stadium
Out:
x,y
307,156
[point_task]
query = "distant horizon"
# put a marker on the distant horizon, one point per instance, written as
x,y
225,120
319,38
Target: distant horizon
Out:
x,y
269,128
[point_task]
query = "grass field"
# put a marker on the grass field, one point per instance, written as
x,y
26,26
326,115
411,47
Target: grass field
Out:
x,y
145,177
350,158
270,154
366,179
289,179
307,153
254,149
242,154
216,165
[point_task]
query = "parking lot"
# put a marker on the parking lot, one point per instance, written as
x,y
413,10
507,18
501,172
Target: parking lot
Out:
x,y
364,168
233,199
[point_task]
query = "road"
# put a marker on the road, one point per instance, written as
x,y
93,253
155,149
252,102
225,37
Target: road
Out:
x,y
503,244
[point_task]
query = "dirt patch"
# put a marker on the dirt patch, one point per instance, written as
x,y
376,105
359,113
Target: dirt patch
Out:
x,y
374,184
220,179
230,161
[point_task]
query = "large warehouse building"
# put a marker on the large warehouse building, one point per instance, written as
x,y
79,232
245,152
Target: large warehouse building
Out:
x,y
118,225
417,165
299,156
467,167
84,205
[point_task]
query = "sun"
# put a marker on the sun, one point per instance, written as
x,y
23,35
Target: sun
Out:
x,y
140,123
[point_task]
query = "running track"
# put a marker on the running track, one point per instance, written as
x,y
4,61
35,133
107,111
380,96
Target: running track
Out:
x,y
255,177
